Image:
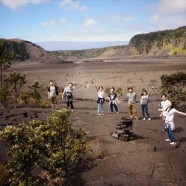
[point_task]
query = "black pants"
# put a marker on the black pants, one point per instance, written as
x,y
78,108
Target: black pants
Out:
x,y
113,107
70,103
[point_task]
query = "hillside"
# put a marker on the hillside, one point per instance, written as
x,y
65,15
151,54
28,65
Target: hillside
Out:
x,y
24,50
160,44
168,42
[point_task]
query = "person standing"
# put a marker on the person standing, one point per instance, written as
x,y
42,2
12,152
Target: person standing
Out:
x,y
68,96
165,103
169,120
131,97
52,94
113,100
100,100
144,103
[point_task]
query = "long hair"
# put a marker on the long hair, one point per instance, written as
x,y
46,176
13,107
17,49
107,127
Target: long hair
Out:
x,y
171,106
143,92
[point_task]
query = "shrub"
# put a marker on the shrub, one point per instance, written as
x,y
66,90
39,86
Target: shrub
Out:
x,y
119,91
107,90
4,174
174,85
35,91
53,147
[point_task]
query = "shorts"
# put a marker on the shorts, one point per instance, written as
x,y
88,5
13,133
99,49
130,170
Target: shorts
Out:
x,y
53,100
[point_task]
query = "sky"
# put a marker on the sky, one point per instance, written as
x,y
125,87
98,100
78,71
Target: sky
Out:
x,y
88,20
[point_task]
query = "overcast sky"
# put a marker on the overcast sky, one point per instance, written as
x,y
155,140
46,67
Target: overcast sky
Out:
x,y
88,20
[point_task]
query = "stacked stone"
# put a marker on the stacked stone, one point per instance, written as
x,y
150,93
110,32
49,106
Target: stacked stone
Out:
x,y
123,130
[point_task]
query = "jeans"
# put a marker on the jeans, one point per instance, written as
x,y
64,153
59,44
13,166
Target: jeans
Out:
x,y
113,107
132,110
171,134
144,108
100,107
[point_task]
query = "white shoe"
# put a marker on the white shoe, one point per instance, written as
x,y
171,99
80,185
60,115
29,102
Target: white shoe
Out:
x,y
173,143
99,114
167,140
144,119
117,112
149,119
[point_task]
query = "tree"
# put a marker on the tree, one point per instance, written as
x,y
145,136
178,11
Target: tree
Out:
x,y
175,86
65,146
16,80
5,57
35,90
5,94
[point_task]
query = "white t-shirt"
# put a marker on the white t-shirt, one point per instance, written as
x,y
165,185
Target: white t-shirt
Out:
x,y
164,105
170,118
67,89
52,91
144,100
100,94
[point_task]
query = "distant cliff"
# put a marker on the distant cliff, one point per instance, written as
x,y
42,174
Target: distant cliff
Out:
x,y
169,42
25,50
161,43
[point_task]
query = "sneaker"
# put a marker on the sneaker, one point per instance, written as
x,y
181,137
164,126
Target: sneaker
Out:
x,y
173,143
99,114
117,112
167,140
144,119
149,119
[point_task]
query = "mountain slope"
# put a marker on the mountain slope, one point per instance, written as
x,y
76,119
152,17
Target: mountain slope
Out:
x,y
161,43
168,42
25,50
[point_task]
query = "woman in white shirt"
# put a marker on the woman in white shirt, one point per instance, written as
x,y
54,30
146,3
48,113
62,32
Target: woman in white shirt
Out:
x,y
100,100
169,120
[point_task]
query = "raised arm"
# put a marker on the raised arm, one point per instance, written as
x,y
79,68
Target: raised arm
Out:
x,y
182,113
150,91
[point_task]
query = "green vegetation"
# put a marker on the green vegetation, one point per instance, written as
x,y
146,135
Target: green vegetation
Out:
x,y
15,82
152,43
175,85
16,48
43,152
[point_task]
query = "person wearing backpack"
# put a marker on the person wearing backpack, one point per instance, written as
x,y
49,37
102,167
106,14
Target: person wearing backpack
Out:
x,y
144,103
52,94
113,100
68,96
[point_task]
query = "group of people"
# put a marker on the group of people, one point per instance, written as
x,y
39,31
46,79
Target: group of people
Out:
x,y
131,98
167,107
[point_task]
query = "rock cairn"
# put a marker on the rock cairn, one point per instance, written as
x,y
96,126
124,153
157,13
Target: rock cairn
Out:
x,y
123,130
